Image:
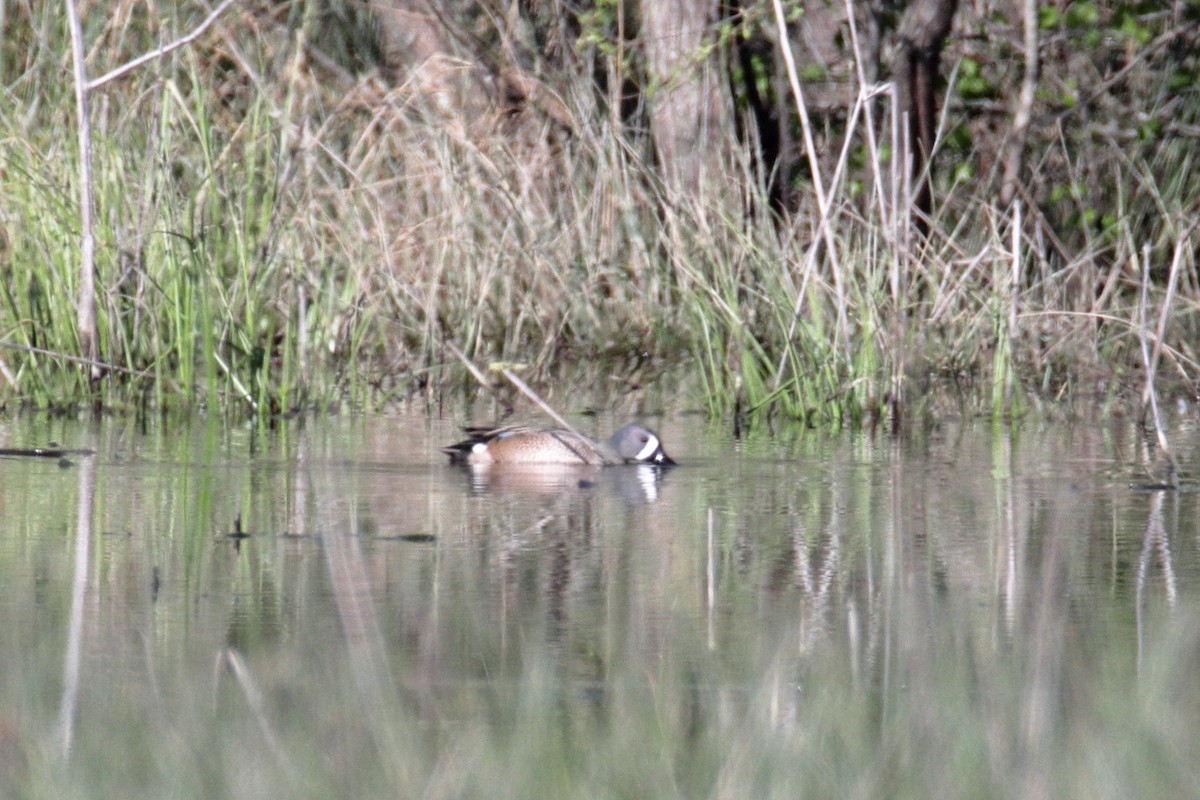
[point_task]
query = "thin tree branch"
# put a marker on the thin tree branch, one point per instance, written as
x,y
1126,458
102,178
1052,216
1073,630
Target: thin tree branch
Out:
x,y
162,51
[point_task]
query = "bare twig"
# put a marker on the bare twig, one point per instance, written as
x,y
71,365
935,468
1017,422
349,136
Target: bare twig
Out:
x,y
98,367
523,387
542,404
129,66
476,373
87,362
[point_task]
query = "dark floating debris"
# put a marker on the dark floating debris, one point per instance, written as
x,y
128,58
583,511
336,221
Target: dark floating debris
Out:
x,y
412,538
45,452
237,532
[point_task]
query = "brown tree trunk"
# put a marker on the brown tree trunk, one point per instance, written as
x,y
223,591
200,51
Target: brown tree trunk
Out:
x,y
687,114
922,32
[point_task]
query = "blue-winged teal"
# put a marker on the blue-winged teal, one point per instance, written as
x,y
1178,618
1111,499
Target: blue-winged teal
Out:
x,y
515,444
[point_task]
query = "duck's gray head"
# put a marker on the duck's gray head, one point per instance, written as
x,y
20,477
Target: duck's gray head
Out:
x,y
636,443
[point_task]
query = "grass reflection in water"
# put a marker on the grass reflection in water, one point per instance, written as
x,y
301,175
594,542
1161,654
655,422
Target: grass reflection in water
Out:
x,y
975,615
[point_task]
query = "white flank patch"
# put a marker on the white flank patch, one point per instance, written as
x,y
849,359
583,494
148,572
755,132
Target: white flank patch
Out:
x,y
648,450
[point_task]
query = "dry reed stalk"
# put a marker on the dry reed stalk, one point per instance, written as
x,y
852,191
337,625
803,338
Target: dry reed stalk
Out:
x,y
1168,300
1150,361
868,111
1014,288
89,344
823,205
1023,114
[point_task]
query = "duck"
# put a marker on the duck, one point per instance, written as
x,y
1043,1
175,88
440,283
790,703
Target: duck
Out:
x,y
520,444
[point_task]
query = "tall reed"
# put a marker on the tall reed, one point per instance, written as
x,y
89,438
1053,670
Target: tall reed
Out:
x,y
275,233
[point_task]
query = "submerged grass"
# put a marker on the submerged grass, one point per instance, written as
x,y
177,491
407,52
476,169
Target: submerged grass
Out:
x,y
276,233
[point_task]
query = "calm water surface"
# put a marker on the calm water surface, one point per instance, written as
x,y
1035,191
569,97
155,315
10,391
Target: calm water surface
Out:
x,y
328,610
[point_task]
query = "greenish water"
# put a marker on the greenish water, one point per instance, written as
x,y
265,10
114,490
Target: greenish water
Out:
x,y
967,613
